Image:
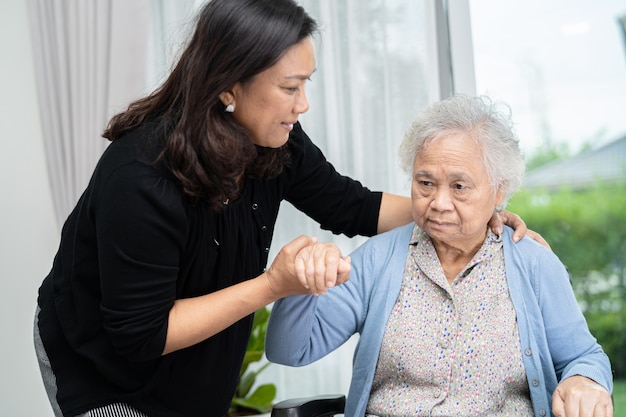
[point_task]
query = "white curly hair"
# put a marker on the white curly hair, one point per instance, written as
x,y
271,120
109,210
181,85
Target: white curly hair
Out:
x,y
486,122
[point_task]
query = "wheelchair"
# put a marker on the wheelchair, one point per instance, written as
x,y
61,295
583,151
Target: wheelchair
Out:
x,y
318,406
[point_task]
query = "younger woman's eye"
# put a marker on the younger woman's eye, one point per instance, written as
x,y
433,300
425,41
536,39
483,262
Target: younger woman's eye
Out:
x,y
292,89
295,89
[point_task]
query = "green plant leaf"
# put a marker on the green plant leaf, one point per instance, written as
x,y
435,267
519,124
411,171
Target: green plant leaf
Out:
x,y
250,357
260,400
245,384
259,329
247,381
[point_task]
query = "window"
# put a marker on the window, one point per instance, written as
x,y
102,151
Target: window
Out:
x,y
560,65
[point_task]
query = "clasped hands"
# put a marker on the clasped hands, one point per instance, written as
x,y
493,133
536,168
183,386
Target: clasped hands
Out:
x,y
306,266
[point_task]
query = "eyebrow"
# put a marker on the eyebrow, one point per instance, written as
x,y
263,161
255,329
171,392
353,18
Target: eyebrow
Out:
x,y
300,77
456,177
423,174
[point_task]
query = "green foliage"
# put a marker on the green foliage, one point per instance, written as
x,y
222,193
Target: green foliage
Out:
x,y
609,327
554,153
559,151
587,230
260,400
619,398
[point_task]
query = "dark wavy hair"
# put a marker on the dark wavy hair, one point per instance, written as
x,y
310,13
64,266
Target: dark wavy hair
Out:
x,y
206,149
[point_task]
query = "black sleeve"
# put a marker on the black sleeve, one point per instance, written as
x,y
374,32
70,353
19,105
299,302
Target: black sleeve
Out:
x,y
141,230
339,203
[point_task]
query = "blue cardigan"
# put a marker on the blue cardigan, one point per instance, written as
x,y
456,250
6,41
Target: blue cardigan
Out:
x,y
556,342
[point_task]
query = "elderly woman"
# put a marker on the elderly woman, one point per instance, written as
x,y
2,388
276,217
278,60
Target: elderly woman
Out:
x,y
462,321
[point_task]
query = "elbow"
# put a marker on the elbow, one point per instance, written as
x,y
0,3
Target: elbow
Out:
x,y
283,357
137,343
138,349
277,352
282,352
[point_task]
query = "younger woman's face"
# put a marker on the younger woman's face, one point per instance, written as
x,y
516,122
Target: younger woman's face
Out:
x,y
270,104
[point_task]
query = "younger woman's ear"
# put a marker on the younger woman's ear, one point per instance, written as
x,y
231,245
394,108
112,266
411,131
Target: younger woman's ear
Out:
x,y
226,97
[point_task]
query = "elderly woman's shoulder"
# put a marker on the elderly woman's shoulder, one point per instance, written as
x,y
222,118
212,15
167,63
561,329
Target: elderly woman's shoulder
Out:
x,y
526,242
390,240
529,249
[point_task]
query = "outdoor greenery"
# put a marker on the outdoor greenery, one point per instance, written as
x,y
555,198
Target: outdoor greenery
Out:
x,y
556,152
619,398
587,230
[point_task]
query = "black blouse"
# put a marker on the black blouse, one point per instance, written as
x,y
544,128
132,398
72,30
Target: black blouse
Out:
x,y
133,245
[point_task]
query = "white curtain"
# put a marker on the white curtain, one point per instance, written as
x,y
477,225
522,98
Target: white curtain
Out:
x,y
373,76
90,62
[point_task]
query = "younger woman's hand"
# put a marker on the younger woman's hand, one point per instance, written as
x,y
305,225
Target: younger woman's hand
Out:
x,y
517,224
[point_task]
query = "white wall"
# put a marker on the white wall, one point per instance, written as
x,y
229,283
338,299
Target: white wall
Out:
x,y
28,234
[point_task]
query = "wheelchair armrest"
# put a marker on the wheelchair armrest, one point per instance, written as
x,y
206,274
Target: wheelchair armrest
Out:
x,y
322,405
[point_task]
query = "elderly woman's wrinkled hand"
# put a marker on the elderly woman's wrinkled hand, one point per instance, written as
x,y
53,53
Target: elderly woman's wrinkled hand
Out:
x,y
578,396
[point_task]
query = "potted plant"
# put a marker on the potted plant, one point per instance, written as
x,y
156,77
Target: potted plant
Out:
x,y
247,401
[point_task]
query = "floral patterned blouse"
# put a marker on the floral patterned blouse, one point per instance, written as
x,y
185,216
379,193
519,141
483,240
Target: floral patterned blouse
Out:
x,y
451,349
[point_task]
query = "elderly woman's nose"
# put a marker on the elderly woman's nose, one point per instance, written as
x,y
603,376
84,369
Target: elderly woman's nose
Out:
x,y
442,199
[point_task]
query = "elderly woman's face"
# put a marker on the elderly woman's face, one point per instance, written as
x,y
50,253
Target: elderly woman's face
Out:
x,y
452,195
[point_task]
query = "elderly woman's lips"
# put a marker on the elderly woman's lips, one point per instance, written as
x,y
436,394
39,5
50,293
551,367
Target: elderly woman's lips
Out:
x,y
437,223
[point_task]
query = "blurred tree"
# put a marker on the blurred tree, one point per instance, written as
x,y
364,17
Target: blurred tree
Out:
x,y
587,230
555,152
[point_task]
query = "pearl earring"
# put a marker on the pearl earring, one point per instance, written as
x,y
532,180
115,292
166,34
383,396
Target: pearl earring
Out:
x,y
229,109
